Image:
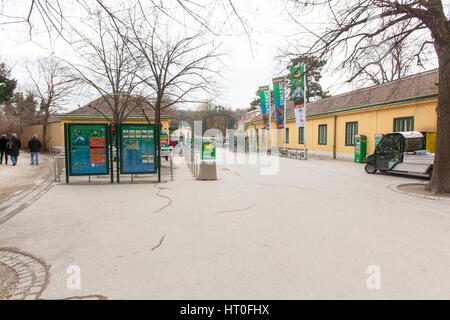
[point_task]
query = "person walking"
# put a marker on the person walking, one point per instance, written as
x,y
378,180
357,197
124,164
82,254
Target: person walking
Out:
x,y
12,148
35,147
3,141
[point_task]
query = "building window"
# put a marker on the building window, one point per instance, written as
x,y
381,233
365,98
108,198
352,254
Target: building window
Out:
x,y
301,135
351,129
323,134
287,135
403,124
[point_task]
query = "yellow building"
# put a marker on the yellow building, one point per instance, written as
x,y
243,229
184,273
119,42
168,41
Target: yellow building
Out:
x,y
137,110
401,105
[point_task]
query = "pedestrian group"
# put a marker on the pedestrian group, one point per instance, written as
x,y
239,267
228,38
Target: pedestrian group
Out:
x,y
11,147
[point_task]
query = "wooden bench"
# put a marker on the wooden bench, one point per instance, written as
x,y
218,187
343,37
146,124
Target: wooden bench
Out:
x,y
300,154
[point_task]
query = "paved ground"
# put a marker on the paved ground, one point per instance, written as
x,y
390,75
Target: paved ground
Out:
x,y
309,231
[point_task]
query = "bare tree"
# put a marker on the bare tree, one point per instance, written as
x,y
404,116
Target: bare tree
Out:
x,y
20,111
106,66
52,86
358,27
172,69
391,59
53,16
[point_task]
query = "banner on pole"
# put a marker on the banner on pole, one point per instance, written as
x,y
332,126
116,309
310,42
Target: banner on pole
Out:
x,y
298,95
280,106
264,96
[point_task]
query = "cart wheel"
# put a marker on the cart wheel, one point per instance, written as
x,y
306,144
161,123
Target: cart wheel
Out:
x,y
370,168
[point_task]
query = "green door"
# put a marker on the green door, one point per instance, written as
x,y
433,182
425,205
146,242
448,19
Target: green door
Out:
x,y
389,151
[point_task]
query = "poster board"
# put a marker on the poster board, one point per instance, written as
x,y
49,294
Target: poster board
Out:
x,y
88,146
137,148
208,149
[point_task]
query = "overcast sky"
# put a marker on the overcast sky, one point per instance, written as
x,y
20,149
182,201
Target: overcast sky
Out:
x,y
251,61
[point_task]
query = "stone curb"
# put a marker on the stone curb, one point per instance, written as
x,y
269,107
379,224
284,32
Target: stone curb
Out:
x,y
394,187
32,274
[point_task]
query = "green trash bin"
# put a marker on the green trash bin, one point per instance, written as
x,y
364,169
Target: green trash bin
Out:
x,y
360,148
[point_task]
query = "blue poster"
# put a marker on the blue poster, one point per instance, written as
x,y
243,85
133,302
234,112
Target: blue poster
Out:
x,y
138,148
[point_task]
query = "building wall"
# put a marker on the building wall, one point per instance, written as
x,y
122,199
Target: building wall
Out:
x,y
381,121
378,120
54,136
259,127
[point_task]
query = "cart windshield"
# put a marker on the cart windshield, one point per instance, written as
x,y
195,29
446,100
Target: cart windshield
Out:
x,y
390,143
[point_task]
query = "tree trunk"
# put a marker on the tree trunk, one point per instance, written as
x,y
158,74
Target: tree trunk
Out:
x,y
158,112
440,181
158,116
45,124
44,135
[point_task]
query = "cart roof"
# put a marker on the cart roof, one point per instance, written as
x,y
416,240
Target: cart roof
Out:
x,y
411,134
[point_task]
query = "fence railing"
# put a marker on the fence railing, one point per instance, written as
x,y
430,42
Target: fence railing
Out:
x,y
58,161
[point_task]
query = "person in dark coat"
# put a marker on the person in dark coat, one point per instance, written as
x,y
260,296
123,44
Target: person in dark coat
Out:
x,y
12,148
35,147
3,141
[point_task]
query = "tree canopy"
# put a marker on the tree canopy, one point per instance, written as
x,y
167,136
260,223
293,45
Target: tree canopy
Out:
x,y
7,85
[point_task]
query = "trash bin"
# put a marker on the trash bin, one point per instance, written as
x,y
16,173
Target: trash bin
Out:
x,y
360,148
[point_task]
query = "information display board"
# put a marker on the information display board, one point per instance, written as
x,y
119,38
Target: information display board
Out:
x,y
88,149
208,149
138,148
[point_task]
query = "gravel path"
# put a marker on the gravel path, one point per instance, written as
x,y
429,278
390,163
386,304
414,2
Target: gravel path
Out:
x,y
8,281
14,179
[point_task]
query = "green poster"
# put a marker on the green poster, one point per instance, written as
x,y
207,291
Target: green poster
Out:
x,y
208,149
264,96
88,149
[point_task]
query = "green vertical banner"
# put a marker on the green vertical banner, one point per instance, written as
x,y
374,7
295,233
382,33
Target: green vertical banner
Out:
x,y
264,96
278,94
298,95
